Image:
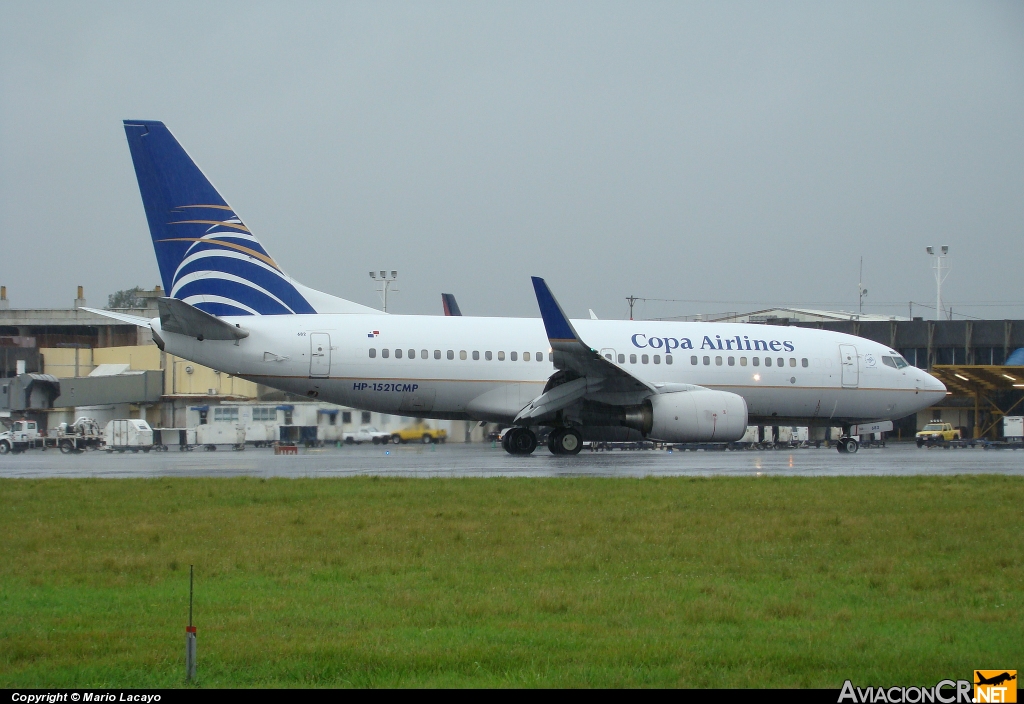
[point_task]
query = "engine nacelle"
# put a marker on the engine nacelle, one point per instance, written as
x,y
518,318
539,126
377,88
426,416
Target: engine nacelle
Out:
x,y
701,415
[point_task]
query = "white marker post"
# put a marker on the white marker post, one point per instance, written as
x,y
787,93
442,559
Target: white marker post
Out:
x,y
190,636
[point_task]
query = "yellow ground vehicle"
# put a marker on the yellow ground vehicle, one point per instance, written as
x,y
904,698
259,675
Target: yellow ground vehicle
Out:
x,y
421,432
937,432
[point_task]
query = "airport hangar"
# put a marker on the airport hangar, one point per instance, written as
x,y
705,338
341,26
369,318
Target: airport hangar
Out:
x,y
62,347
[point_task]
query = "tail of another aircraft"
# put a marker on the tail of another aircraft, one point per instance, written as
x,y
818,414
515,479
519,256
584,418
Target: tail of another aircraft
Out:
x,y
207,256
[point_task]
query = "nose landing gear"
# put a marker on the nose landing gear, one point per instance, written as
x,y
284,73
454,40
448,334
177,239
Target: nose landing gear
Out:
x,y
848,445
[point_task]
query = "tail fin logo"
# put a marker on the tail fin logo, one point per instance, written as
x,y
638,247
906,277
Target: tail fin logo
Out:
x,y
226,271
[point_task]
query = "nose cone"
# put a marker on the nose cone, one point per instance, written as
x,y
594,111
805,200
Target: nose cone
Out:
x,y
930,383
931,389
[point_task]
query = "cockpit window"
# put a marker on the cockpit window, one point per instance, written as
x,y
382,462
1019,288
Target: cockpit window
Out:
x,y
900,362
889,362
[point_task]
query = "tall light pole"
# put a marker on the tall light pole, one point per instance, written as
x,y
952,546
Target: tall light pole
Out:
x,y
384,285
861,291
941,272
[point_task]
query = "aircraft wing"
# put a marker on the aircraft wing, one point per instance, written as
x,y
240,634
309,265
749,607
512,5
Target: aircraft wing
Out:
x,y
123,317
582,369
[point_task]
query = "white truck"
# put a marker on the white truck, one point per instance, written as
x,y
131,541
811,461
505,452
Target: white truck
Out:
x,y
367,434
130,434
23,435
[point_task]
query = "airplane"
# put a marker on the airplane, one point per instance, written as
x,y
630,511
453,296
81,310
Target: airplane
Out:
x,y
231,307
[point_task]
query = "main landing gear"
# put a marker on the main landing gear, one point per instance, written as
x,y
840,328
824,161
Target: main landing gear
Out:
x,y
519,441
848,445
565,441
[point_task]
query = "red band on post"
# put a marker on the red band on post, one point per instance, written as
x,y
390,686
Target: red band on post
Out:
x,y
190,629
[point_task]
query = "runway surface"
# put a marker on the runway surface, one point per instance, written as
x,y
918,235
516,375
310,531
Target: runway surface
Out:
x,y
483,460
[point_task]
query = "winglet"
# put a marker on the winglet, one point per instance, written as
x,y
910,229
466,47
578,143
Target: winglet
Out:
x,y
556,322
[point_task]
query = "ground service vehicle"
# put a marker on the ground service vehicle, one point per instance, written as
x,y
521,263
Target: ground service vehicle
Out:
x,y
421,432
128,434
23,435
937,432
367,434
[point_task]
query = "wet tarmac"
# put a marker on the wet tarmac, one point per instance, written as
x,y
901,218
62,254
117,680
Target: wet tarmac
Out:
x,y
483,460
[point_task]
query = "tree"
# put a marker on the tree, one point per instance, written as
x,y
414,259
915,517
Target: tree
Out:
x,y
128,298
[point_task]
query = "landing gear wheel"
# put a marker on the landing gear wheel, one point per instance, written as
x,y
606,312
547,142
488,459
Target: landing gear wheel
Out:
x,y
521,441
565,441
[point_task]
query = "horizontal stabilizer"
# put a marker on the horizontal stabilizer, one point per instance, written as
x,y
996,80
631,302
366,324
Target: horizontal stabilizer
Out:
x,y
123,317
179,317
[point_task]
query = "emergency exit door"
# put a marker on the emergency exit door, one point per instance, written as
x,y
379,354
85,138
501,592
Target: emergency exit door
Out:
x,y
851,366
319,354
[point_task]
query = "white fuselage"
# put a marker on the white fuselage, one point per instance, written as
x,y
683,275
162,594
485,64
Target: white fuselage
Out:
x,y
463,367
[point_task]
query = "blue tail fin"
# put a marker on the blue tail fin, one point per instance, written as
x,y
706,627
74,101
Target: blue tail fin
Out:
x,y
207,255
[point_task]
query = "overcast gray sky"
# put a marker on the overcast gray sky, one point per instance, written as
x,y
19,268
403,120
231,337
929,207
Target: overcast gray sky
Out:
x,y
740,153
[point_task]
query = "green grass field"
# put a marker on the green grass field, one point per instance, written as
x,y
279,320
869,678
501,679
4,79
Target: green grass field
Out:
x,y
511,582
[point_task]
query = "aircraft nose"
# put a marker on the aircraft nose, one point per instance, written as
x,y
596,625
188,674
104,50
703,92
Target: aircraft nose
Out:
x,y
930,383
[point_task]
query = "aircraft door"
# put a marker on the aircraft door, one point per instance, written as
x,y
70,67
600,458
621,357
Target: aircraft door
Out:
x,y
851,365
319,354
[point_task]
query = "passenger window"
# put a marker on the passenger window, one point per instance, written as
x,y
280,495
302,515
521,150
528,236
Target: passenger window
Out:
x,y
424,354
437,354
756,360
668,359
526,356
693,360
373,353
657,359
644,358
476,355
743,361
767,361
780,362
632,359
804,361
792,361
501,356
718,361
539,356
412,354
462,355
512,356
384,353
707,361
732,361
487,355
551,356
451,354
398,354
622,359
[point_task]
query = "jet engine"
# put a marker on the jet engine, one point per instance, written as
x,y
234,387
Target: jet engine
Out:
x,y
701,415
